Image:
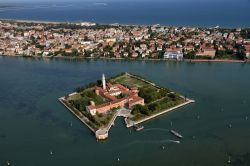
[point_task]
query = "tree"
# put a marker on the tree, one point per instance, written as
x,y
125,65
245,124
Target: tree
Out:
x,y
190,55
154,107
139,109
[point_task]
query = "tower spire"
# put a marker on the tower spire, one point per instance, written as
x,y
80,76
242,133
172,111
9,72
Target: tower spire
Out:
x,y
103,82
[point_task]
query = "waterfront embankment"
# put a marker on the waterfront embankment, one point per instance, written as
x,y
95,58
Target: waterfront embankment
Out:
x,y
219,60
81,118
131,59
131,124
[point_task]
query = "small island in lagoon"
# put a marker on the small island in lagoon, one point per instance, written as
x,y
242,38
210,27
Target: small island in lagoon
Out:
x,y
136,99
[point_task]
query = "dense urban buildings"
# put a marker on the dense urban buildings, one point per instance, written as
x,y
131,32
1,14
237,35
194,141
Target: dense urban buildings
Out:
x,y
120,41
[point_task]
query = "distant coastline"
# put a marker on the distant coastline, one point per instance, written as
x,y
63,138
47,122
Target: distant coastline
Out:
x,y
112,24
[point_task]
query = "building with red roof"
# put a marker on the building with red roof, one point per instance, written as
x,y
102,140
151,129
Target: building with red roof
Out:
x,y
115,95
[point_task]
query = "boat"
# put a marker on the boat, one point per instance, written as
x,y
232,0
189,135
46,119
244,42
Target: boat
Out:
x,y
174,141
229,160
176,134
138,128
51,152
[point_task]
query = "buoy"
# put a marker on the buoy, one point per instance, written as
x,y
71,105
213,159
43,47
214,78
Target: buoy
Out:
x,y
7,162
198,117
118,159
171,123
246,117
230,125
163,147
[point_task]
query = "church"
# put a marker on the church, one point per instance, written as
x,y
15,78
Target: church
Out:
x,y
116,96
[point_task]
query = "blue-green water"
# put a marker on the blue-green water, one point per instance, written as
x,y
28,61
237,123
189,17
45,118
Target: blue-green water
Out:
x,y
225,13
33,122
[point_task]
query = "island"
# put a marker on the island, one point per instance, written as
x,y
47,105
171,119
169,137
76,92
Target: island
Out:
x,y
135,98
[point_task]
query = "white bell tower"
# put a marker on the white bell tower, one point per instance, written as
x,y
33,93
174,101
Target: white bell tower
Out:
x,y
103,82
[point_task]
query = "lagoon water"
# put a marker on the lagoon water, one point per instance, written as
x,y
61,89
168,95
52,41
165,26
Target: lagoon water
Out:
x,y
33,122
225,13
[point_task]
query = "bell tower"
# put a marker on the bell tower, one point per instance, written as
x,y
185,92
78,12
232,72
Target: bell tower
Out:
x,y
103,82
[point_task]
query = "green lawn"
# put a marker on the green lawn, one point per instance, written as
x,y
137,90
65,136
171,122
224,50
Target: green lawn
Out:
x,y
130,81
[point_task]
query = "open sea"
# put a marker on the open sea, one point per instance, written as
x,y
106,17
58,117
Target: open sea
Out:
x,y
33,123
204,13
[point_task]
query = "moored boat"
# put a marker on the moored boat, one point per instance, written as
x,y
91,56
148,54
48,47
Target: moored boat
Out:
x,y
138,128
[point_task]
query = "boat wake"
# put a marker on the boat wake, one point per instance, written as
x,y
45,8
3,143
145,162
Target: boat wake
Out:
x,y
156,129
156,142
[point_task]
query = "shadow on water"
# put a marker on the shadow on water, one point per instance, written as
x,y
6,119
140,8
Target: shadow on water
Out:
x,y
2,136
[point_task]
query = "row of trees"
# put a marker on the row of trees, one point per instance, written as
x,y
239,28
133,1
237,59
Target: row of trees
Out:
x,y
169,101
151,94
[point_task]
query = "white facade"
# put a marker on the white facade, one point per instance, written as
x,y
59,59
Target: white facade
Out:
x,y
91,111
173,55
248,54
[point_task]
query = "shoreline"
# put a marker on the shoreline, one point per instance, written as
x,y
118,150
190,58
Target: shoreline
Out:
x,y
62,100
115,23
189,101
131,59
219,61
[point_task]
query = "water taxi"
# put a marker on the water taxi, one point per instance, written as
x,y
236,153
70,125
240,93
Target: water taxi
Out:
x,y
176,134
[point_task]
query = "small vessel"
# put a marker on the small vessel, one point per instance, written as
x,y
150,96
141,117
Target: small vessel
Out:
x,y
174,141
229,160
246,117
51,153
176,134
163,147
71,124
138,128
230,125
